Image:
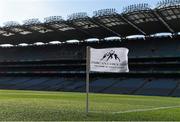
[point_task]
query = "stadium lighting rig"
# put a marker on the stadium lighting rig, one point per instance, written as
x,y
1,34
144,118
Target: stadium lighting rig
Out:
x,y
136,7
75,16
34,21
168,3
53,19
104,12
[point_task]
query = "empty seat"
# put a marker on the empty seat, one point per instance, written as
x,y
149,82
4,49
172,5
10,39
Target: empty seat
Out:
x,y
101,84
160,87
125,86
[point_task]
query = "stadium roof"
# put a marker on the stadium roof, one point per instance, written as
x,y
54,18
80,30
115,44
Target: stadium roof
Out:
x,y
137,19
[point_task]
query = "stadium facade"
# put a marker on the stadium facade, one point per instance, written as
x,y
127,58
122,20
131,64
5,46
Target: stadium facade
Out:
x,y
153,60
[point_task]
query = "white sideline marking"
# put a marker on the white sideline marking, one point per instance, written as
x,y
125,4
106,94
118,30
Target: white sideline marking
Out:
x,y
140,110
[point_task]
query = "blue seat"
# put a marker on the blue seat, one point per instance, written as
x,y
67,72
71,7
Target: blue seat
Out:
x,y
160,87
125,86
101,84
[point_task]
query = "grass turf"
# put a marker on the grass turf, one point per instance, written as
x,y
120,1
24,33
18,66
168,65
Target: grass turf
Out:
x,y
54,106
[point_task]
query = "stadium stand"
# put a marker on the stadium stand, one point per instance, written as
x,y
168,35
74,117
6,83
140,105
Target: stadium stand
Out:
x,y
126,86
100,84
154,61
157,87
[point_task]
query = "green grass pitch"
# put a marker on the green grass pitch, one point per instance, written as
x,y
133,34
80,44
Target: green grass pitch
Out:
x,y
54,106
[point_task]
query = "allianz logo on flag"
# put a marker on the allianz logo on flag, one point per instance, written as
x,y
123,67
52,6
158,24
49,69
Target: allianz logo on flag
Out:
x,y
109,60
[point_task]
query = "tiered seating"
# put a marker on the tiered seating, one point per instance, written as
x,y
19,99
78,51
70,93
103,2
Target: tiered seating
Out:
x,y
176,92
78,84
62,68
48,52
32,83
16,83
138,48
49,84
138,86
100,84
6,82
160,87
125,86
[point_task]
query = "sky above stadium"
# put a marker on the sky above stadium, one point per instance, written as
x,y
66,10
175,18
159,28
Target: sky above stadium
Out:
x,y
19,10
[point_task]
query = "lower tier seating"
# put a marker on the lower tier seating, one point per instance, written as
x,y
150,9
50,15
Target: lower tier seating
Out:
x,y
138,86
176,92
126,86
161,87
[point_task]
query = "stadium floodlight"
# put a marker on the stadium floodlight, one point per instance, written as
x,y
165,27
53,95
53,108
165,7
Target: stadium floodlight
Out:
x,y
105,12
168,3
136,37
72,41
136,7
23,44
55,42
75,16
6,45
112,38
53,19
92,40
34,21
39,43
11,24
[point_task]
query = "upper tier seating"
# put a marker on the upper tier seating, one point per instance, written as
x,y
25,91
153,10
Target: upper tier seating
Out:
x,y
138,48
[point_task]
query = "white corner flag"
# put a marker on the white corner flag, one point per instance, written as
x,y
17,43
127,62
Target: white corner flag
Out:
x,y
109,60
113,60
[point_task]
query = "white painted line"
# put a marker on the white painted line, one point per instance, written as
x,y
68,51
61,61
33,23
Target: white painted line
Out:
x,y
138,110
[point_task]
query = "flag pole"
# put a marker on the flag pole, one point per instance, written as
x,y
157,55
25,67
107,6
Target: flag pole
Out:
x,y
87,77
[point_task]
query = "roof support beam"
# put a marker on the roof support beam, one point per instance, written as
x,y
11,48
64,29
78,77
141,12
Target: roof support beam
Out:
x,y
26,28
9,31
105,27
78,28
56,30
163,21
133,25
